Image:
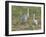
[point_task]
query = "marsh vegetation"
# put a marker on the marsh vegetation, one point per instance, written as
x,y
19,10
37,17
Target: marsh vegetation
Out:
x,y
18,11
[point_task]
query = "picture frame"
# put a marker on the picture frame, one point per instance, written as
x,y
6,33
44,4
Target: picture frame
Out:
x,y
15,9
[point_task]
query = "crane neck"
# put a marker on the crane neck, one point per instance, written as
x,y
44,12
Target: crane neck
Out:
x,y
34,16
28,12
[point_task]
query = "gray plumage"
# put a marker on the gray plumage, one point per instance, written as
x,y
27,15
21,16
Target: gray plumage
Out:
x,y
24,17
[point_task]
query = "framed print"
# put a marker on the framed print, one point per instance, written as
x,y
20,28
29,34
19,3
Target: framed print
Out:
x,y
24,18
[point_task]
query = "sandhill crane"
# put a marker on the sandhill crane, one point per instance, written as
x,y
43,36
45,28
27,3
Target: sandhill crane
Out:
x,y
35,21
24,17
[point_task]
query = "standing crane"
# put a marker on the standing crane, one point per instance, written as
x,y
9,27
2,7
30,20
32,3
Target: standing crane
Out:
x,y
24,17
35,21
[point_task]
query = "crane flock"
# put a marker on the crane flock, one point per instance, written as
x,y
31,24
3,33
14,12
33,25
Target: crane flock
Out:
x,y
25,17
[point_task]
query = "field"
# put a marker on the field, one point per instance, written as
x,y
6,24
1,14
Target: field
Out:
x,y
17,11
